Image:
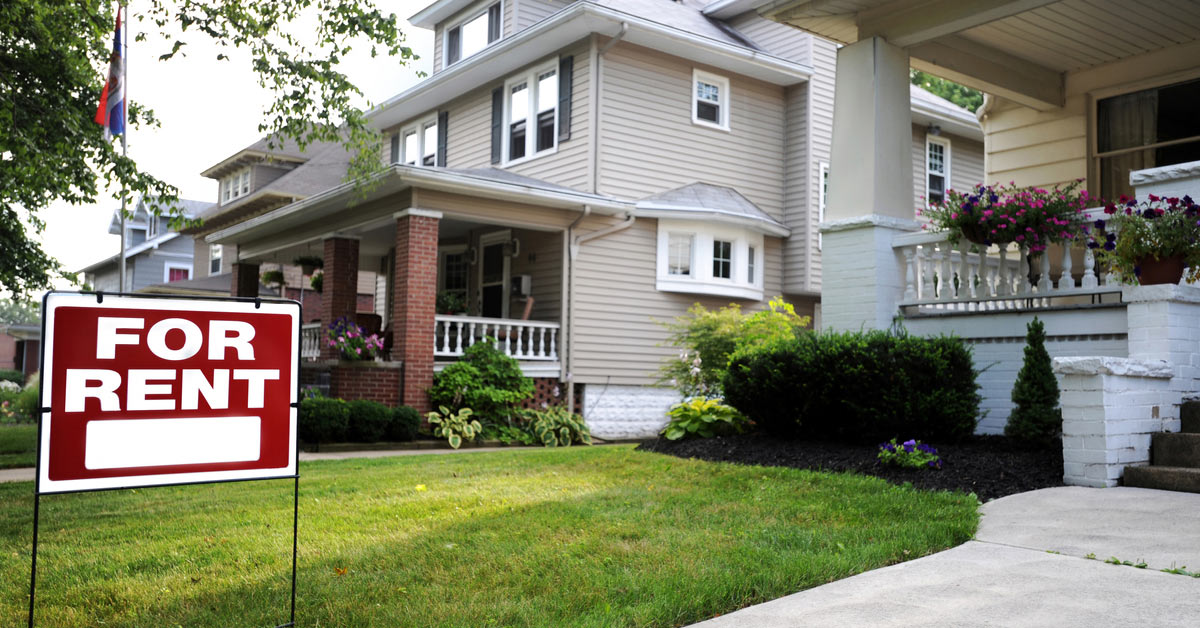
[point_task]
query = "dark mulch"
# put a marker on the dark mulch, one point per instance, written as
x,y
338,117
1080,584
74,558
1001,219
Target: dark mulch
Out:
x,y
989,466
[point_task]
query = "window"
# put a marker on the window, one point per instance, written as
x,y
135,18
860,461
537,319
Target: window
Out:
x,y
235,185
710,100
429,144
750,261
136,237
473,34
412,148
937,168
419,143
532,113
173,271
152,229
823,196
722,259
214,259
452,273
680,260
1146,129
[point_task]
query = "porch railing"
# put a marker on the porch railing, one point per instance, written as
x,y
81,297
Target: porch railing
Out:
x,y
523,340
968,277
310,341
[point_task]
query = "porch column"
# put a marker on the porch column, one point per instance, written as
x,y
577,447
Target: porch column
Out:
x,y
870,187
339,288
244,282
414,300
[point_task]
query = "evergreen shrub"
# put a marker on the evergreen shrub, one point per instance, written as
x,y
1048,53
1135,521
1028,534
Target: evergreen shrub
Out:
x,y
1037,418
405,424
323,420
369,421
857,387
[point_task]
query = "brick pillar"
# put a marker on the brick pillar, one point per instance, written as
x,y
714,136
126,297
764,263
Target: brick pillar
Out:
x,y
413,305
339,289
245,280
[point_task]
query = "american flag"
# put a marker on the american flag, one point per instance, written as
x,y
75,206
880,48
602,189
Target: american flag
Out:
x,y
111,112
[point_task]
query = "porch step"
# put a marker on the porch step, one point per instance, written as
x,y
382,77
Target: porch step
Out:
x,y
1181,479
1175,450
1189,415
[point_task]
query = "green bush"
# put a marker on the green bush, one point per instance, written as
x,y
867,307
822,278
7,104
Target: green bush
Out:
x,y
857,387
405,424
26,404
323,420
557,427
369,421
704,418
485,380
12,375
1036,419
706,338
456,426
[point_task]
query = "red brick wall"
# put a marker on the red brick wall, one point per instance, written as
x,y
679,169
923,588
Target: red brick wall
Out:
x,y
339,289
414,301
375,383
244,282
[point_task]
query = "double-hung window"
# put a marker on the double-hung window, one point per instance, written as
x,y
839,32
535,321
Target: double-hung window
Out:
x,y
751,264
710,100
700,257
235,185
214,259
419,143
1145,129
473,34
937,168
679,254
722,259
531,120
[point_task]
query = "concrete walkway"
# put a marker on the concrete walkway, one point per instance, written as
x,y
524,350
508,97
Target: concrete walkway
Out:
x,y
1010,576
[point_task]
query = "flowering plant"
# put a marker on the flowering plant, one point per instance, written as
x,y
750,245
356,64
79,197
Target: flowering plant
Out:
x,y
1157,228
1000,214
911,454
346,336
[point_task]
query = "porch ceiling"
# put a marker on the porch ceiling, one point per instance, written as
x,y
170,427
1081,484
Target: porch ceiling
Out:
x,y
1019,49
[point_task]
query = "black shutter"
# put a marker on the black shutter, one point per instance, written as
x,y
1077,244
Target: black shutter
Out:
x,y
497,122
566,71
395,148
443,118
494,23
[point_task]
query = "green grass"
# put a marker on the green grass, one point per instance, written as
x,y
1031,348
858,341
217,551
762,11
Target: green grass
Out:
x,y
18,446
602,537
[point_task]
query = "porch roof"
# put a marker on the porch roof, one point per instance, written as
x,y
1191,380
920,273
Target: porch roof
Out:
x,y
1018,49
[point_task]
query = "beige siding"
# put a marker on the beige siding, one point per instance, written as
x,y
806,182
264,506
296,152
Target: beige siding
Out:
x,y
966,163
824,61
530,12
651,145
492,212
438,57
797,210
541,257
776,38
439,29
618,335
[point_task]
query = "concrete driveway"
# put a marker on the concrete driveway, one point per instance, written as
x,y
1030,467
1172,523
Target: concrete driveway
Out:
x,y
1026,567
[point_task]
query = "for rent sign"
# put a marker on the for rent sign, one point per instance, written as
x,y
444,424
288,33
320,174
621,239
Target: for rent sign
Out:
x,y
146,391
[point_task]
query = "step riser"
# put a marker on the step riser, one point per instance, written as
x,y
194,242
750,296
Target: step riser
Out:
x,y
1163,478
1190,417
1175,450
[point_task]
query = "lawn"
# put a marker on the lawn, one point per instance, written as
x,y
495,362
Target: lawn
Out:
x,y
18,446
603,536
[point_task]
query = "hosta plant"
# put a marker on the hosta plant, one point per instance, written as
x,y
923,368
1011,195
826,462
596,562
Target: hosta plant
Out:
x,y
911,454
704,418
558,427
454,426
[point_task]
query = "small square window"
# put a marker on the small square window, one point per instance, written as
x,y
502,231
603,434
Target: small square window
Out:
x,y
679,254
710,100
722,259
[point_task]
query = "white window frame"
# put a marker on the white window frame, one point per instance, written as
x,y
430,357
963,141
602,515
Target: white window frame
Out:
x,y
823,196
483,9
219,250
944,142
530,78
169,266
713,259
691,238
419,128
234,187
722,84
701,280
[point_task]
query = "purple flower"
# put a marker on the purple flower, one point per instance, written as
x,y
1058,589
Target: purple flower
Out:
x,y
1099,224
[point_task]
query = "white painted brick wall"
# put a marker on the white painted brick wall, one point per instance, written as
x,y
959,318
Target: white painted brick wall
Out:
x,y
862,276
617,412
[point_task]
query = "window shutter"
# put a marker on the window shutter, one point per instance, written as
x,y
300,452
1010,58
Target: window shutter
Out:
x,y
443,118
497,122
395,148
566,72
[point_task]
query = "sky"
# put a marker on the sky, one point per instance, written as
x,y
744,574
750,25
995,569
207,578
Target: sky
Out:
x,y
209,110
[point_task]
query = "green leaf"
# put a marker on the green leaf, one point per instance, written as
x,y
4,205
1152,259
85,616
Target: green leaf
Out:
x,y
455,441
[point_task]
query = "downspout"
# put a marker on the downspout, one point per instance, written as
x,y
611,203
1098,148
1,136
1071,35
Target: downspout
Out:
x,y
568,306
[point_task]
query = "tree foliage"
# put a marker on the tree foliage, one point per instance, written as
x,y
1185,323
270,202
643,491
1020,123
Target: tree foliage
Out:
x,y
961,95
53,59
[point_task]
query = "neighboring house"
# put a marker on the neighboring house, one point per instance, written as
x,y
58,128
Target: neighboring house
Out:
x,y
578,173
154,253
20,347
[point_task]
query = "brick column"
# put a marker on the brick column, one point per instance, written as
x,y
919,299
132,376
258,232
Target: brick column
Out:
x,y
339,289
245,280
413,305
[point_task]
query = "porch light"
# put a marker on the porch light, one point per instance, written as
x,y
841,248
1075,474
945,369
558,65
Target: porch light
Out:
x,y
934,130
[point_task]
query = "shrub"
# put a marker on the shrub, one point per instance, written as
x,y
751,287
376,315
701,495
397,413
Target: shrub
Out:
x,y
704,418
485,380
368,421
405,424
323,420
12,375
456,426
1036,419
558,427
911,454
27,402
708,337
857,387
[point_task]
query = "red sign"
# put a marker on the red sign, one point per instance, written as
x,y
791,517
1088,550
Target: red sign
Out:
x,y
147,391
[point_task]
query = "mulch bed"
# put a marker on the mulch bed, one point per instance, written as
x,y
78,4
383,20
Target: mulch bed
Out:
x,y
989,466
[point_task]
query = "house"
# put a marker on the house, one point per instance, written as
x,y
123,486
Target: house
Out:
x,y
572,175
1097,90
20,347
154,252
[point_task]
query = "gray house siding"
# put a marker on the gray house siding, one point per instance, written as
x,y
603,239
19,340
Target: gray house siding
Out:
x,y
530,12
506,28
966,163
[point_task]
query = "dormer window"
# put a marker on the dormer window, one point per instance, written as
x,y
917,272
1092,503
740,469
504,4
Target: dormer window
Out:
x,y
473,34
419,143
235,185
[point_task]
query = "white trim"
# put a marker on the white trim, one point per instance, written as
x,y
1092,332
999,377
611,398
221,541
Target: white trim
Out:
x,y
723,99
219,249
533,92
469,15
671,211
493,238
822,176
418,128
416,211
944,142
232,187
702,280
169,266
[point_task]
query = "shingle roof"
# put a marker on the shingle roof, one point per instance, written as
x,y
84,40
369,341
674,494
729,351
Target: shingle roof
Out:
x,y
707,197
685,15
508,177
216,284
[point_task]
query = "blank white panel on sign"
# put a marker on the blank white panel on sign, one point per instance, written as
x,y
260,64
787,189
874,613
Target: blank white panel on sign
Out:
x,y
123,444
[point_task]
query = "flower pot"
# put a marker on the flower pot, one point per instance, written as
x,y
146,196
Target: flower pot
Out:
x,y
307,269
975,233
1155,271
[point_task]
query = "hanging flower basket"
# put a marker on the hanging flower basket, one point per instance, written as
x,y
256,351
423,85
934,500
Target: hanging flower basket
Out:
x,y
1002,214
975,233
1149,242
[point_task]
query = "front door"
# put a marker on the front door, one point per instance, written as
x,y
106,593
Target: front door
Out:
x,y
493,274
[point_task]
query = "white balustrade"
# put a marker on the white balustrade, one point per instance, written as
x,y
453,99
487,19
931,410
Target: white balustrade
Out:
x,y
310,341
522,340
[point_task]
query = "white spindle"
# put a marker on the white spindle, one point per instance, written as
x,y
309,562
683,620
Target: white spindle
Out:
x,y
910,273
1004,284
1066,281
554,343
964,278
1024,286
927,292
507,339
1045,285
1089,269
541,353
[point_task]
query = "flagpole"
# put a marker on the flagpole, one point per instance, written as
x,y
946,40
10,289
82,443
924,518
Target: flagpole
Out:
x,y
124,130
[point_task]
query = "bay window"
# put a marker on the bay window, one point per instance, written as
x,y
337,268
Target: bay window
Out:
x,y
700,257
